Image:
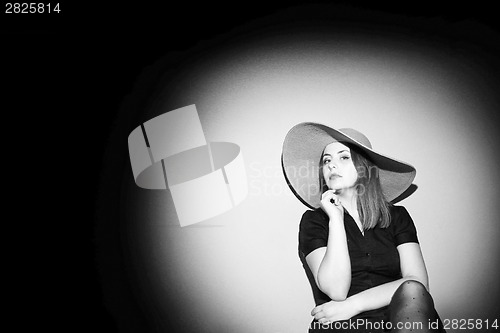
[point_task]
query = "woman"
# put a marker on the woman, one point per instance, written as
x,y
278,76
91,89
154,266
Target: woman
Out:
x,y
360,252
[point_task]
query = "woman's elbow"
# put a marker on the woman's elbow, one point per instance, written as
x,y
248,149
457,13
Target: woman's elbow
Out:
x,y
336,295
338,298
336,292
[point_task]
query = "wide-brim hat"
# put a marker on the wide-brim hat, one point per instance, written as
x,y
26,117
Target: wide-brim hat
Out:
x,y
302,150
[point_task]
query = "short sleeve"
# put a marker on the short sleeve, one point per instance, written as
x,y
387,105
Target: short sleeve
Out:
x,y
313,232
404,228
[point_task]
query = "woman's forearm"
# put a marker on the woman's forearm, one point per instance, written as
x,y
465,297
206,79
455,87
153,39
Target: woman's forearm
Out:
x,y
378,296
334,274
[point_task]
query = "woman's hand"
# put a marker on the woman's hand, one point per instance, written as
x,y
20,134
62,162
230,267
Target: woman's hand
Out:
x,y
332,206
334,311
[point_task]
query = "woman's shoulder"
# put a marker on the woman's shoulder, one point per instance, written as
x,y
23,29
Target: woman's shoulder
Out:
x,y
402,226
400,218
315,216
398,212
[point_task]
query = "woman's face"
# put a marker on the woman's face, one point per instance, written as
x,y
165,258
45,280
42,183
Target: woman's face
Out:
x,y
339,172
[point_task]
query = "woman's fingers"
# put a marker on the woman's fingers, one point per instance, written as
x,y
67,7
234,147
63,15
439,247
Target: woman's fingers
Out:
x,y
315,310
330,196
319,315
331,205
329,193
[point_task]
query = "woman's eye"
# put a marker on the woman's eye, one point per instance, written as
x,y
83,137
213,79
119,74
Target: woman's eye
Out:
x,y
326,161
345,157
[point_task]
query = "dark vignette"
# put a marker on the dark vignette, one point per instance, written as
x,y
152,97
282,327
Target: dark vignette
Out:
x,y
472,41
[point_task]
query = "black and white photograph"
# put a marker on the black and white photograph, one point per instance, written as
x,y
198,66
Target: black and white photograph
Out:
x,y
293,167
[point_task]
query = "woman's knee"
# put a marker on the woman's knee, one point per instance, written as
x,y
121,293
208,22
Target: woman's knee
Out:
x,y
412,287
412,293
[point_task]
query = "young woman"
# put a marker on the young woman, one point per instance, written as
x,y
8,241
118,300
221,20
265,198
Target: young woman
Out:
x,y
360,251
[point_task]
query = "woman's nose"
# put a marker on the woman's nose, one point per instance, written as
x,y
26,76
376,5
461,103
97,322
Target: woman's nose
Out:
x,y
331,165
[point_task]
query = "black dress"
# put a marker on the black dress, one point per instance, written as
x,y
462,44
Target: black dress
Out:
x,y
374,257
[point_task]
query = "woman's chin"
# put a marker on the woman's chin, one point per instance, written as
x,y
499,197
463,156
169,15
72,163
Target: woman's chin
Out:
x,y
339,190
336,189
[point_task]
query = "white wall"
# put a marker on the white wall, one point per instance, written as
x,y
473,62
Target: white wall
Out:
x,y
239,272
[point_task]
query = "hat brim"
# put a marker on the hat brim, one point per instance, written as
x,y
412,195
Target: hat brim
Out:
x,y
301,155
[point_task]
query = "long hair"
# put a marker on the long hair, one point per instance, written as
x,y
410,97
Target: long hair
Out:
x,y
373,208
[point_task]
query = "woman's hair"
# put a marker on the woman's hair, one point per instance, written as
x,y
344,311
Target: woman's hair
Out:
x,y
373,208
